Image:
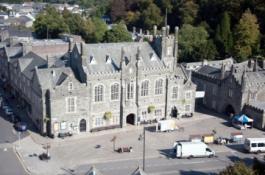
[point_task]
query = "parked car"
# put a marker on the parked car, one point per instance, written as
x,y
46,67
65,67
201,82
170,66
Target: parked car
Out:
x,y
8,111
16,119
4,106
21,126
65,134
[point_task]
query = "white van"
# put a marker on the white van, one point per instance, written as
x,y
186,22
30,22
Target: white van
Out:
x,y
187,149
254,145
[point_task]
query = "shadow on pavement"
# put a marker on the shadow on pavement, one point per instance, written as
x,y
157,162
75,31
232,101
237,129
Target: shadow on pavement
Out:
x,y
168,153
237,147
184,172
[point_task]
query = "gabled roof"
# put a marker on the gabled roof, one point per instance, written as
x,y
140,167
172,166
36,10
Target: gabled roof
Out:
x,y
99,52
28,63
52,77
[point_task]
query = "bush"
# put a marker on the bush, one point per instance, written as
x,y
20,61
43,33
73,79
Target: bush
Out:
x,y
107,115
151,109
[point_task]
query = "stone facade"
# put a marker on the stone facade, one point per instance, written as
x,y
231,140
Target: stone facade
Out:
x,y
91,87
228,88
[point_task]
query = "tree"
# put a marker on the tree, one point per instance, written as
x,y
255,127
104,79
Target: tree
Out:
x,y
237,169
49,22
247,36
224,36
117,10
208,51
191,39
151,16
93,30
188,12
118,33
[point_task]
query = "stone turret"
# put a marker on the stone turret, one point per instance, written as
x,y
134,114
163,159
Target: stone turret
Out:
x,y
223,71
243,80
255,67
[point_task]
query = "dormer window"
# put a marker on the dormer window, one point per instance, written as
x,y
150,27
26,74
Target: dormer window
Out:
x,y
108,59
92,60
169,51
152,57
70,86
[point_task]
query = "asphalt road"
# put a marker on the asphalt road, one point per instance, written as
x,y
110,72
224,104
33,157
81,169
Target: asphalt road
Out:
x,y
9,163
164,166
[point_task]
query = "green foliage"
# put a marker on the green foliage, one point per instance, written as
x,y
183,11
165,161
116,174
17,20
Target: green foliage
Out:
x,y
107,115
95,29
191,39
118,33
224,36
151,108
247,36
188,11
151,16
49,22
237,169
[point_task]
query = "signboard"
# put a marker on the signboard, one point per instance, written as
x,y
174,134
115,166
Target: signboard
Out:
x,y
200,94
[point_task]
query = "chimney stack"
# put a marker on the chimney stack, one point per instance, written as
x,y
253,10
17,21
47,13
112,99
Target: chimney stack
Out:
x,y
168,30
155,30
163,32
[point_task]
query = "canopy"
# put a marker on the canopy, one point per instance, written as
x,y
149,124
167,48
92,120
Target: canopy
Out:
x,y
242,118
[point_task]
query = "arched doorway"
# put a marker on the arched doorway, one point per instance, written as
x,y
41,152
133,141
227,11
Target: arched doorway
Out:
x,y
130,119
229,110
174,112
82,125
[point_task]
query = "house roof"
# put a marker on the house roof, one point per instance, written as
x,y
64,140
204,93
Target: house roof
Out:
x,y
51,77
28,63
99,53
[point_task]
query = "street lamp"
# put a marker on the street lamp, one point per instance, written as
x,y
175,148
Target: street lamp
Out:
x,y
143,148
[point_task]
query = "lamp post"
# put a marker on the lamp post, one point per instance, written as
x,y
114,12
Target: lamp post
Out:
x,y
144,149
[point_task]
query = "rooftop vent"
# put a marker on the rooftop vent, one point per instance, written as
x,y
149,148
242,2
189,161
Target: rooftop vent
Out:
x,y
108,59
92,60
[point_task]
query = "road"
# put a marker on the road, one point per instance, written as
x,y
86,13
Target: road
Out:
x,y
10,165
164,166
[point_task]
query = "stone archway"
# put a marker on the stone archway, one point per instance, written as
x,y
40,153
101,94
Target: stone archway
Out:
x,y
174,112
130,119
229,110
82,125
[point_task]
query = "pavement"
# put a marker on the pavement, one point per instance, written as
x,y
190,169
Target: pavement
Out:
x,y
69,154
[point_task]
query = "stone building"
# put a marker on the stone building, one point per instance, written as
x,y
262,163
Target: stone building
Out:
x,y
104,86
230,88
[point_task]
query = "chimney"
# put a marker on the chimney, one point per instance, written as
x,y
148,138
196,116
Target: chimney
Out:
x,y
223,71
81,49
164,32
134,30
249,63
138,55
255,67
141,32
176,42
49,63
176,33
168,30
147,32
155,30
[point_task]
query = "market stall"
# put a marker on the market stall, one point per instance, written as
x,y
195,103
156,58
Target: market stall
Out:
x,y
242,121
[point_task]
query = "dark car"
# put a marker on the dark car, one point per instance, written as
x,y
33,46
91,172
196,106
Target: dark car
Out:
x,y
16,119
21,126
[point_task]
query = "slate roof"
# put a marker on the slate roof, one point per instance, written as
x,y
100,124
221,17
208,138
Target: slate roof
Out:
x,y
51,77
100,52
17,32
28,63
14,52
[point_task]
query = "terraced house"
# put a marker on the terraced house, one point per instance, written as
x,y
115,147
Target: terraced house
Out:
x,y
110,85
